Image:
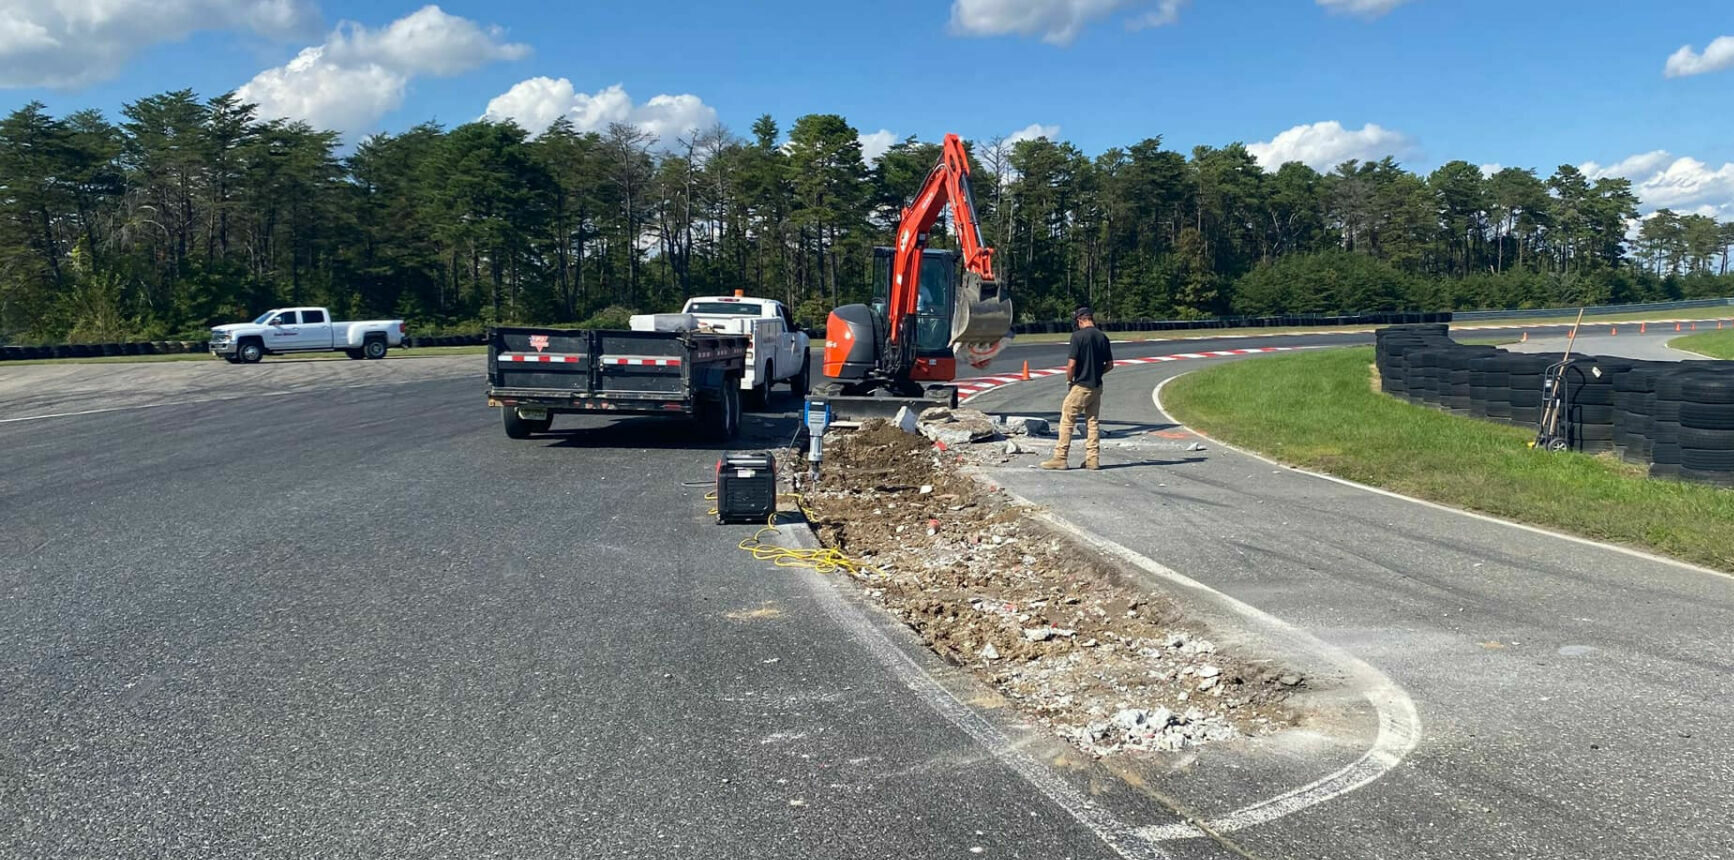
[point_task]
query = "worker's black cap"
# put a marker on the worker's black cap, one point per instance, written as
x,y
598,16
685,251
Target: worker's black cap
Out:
x,y
1083,311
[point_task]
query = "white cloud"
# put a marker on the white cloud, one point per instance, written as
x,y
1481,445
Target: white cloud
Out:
x,y
71,43
358,75
876,144
1365,8
1324,145
1487,170
1033,131
535,104
1683,184
1057,22
1718,55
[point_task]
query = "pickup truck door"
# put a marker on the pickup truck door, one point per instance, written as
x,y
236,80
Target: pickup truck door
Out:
x,y
283,332
315,331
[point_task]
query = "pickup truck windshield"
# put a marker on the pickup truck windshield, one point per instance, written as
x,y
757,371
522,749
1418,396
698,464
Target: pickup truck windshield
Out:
x,y
263,317
751,309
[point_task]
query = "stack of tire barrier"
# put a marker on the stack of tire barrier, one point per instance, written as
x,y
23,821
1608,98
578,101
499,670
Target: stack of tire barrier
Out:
x,y
1677,417
99,350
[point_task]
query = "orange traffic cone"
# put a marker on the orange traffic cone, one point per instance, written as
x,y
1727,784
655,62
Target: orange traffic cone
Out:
x,y
1525,338
1676,326
1613,329
1643,327
1718,325
1694,326
1026,371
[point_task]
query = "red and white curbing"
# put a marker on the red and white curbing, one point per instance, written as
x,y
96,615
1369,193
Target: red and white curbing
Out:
x,y
968,389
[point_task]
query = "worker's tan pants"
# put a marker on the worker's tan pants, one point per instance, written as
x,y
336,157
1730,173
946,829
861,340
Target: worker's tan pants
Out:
x,y
1086,401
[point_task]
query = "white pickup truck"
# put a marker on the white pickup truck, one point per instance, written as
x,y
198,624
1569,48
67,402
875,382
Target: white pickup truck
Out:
x,y
777,349
286,330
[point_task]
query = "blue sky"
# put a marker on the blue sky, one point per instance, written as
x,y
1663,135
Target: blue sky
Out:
x,y
1532,84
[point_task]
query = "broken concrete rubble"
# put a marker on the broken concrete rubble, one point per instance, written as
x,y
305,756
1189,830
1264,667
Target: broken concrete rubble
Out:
x,y
1037,617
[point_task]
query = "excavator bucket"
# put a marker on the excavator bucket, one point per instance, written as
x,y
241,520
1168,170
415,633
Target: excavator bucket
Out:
x,y
982,319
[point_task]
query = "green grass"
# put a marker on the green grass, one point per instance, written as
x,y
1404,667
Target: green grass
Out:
x,y
424,352
1715,344
1322,411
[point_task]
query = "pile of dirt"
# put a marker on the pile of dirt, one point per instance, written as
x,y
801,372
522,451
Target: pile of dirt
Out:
x,y
1045,621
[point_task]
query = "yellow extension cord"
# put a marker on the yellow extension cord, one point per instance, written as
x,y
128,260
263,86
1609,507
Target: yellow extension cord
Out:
x,y
822,560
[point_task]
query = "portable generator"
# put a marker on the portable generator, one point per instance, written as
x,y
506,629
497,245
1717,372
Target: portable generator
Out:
x,y
746,487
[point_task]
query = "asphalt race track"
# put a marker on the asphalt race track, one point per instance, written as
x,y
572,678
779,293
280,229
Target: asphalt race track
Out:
x,y
347,617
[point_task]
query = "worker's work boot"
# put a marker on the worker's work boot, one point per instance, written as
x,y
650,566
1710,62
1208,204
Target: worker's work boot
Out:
x,y
1092,464
1057,464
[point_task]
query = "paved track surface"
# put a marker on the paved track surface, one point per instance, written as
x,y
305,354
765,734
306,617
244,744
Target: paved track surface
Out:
x,y
1574,700
351,619
1651,346
362,623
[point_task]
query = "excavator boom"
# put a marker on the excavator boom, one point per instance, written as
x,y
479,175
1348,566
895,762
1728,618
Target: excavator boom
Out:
x,y
875,354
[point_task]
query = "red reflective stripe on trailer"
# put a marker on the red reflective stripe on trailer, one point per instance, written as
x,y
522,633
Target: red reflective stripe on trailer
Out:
x,y
542,359
641,361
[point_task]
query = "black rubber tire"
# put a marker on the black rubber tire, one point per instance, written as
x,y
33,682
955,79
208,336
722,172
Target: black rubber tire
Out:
x,y
1665,453
232,359
1525,416
1592,414
1706,461
1593,432
520,428
760,396
1706,440
250,352
1706,389
1707,416
1720,479
1665,471
802,383
374,348
720,419
354,353
1525,397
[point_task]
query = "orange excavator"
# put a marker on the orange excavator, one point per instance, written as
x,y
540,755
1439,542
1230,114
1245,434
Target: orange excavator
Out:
x,y
926,314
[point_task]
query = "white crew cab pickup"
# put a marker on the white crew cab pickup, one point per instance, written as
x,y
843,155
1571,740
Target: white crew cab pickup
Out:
x,y
777,349
286,330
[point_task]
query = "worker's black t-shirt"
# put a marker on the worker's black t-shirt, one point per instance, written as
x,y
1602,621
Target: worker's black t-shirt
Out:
x,y
1091,351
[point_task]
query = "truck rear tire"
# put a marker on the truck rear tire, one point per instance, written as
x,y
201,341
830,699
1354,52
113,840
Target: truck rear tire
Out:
x,y
355,353
374,348
520,428
802,383
720,419
760,395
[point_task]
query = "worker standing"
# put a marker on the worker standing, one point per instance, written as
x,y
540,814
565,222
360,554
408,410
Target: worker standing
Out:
x,y
1090,358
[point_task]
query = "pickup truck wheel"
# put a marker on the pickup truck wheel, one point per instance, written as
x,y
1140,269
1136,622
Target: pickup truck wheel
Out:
x,y
802,383
374,348
251,352
354,353
760,395
720,419
732,399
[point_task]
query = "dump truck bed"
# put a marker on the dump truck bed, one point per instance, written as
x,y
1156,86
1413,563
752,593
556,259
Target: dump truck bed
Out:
x,y
591,370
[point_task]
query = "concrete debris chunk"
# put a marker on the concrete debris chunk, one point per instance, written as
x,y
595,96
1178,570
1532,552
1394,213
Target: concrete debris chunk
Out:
x,y
1020,425
906,421
988,652
1038,634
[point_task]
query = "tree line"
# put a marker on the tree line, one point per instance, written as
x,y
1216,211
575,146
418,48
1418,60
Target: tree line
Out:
x,y
188,212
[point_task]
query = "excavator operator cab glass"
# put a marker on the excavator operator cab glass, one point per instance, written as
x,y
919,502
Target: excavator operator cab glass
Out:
x,y
935,299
